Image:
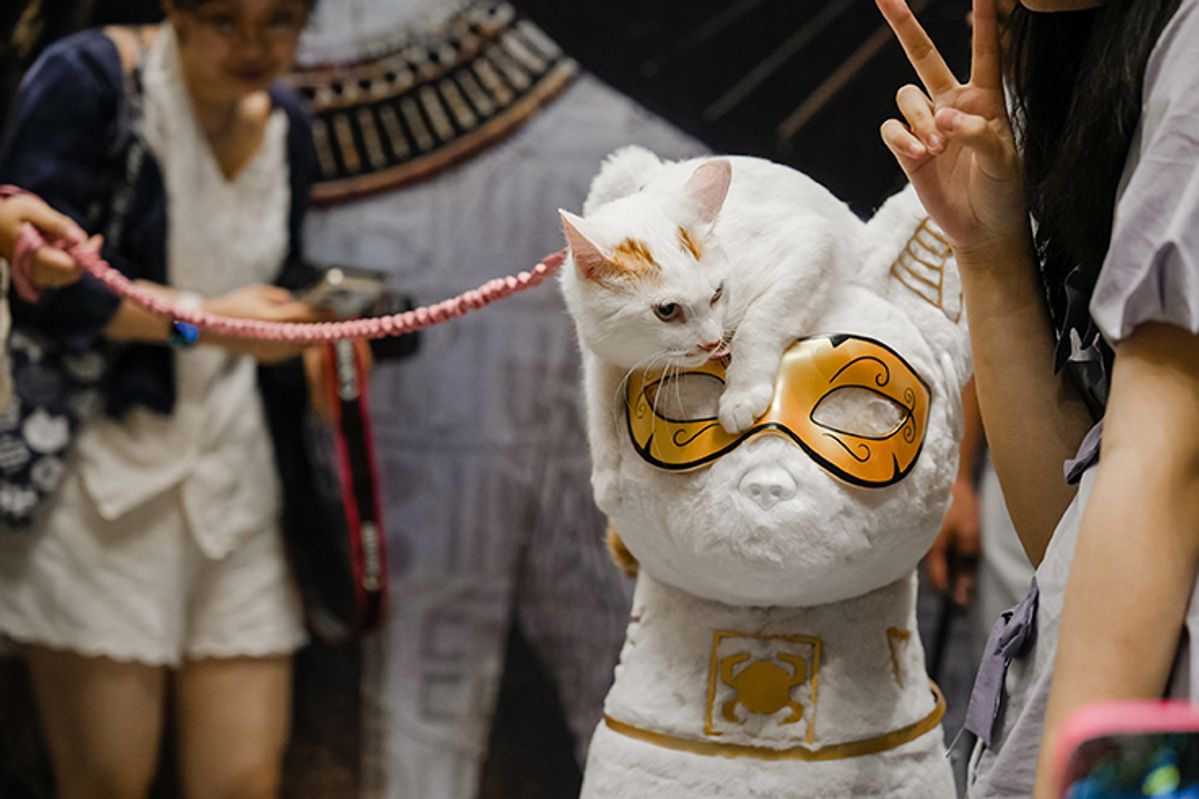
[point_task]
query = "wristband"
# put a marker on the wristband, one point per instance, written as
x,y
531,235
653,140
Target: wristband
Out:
x,y
185,335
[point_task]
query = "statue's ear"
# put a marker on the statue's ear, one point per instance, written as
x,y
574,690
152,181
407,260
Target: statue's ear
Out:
x,y
909,262
704,193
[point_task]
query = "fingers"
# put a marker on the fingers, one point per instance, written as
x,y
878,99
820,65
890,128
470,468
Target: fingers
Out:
x,y
53,225
965,579
275,294
908,150
264,293
94,244
282,306
922,53
295,311
936,563
996,154
918,110
53,269
963,565
985,69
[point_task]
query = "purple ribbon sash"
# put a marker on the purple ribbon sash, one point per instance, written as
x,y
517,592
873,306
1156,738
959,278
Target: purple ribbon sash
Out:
x,y
1011,637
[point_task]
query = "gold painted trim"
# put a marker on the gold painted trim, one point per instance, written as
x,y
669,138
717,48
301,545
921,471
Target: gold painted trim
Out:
x,y
897,642
907,267
842,751
713,668
515,115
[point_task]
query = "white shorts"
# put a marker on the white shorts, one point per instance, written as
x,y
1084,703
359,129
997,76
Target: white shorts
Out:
x,y
140,589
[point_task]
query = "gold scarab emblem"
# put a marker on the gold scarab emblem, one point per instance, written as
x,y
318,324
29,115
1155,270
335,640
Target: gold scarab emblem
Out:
x,y
764,686
758,682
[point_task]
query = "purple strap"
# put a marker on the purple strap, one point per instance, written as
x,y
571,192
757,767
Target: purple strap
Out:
x,y
1088,455
1011,637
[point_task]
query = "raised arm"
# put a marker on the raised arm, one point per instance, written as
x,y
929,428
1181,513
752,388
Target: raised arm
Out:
x,y
956,146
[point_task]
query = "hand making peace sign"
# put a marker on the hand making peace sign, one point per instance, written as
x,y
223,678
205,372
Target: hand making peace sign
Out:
x,y
957,147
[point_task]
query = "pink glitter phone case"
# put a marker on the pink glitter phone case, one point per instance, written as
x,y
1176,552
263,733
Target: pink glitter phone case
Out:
x,y
1108,719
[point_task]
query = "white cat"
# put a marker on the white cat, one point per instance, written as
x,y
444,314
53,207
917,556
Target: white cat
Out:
x,y
674,264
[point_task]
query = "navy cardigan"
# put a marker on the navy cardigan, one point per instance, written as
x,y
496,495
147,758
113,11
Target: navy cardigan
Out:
x,y
64,139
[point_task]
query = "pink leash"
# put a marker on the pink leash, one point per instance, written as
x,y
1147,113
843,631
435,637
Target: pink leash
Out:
x,y
29,241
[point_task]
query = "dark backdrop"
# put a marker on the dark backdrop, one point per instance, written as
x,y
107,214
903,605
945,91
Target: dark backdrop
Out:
x,y
804,82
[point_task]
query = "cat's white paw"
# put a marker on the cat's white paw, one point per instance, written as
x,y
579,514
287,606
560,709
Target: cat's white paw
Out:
x,y
605,485
739,408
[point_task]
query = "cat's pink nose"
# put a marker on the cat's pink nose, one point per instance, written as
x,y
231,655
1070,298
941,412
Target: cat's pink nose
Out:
x,y
716,350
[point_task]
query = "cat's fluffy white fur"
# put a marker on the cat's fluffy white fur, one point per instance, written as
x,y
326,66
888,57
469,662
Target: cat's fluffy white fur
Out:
x,y
769,239
833,561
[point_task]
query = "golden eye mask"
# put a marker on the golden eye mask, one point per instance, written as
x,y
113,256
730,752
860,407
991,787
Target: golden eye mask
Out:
x,y
812,369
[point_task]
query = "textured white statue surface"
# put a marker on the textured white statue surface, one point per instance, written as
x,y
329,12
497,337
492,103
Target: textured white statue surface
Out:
x,y
772,649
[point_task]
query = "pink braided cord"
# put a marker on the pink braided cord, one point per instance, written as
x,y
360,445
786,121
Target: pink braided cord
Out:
x,y
29,241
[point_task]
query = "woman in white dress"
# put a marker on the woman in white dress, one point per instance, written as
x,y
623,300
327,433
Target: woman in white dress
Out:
x,y
158,562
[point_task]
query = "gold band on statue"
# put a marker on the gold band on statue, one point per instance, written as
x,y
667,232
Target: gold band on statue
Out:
x,y
864,746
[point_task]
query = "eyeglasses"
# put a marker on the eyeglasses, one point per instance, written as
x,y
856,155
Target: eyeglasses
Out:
x,y
280,25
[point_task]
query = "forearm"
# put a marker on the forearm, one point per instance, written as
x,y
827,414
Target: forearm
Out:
x,y
1130,582
1137,554
132,322
1033,417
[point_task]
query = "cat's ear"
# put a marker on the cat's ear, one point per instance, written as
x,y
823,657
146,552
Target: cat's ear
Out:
x,y
704,193
590,259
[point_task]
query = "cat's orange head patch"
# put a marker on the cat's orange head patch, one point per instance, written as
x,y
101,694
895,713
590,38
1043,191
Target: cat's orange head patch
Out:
x,y
633,257
689,243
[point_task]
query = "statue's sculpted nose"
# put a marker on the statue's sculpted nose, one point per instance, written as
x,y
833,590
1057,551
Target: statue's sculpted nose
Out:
x,y
767,485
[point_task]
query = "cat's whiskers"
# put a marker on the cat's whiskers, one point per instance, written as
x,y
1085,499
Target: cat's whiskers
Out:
x,y
645,364
670,373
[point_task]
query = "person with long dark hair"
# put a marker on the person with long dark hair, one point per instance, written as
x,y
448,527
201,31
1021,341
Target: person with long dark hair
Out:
x,y
1073,219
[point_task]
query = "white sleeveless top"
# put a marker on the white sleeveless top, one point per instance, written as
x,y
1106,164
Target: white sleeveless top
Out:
x,y
221,235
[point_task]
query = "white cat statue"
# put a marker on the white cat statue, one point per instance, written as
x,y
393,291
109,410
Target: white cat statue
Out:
x,y
773,405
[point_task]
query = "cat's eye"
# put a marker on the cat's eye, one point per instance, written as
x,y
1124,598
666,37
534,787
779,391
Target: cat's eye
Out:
x,y
669,311
716,295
